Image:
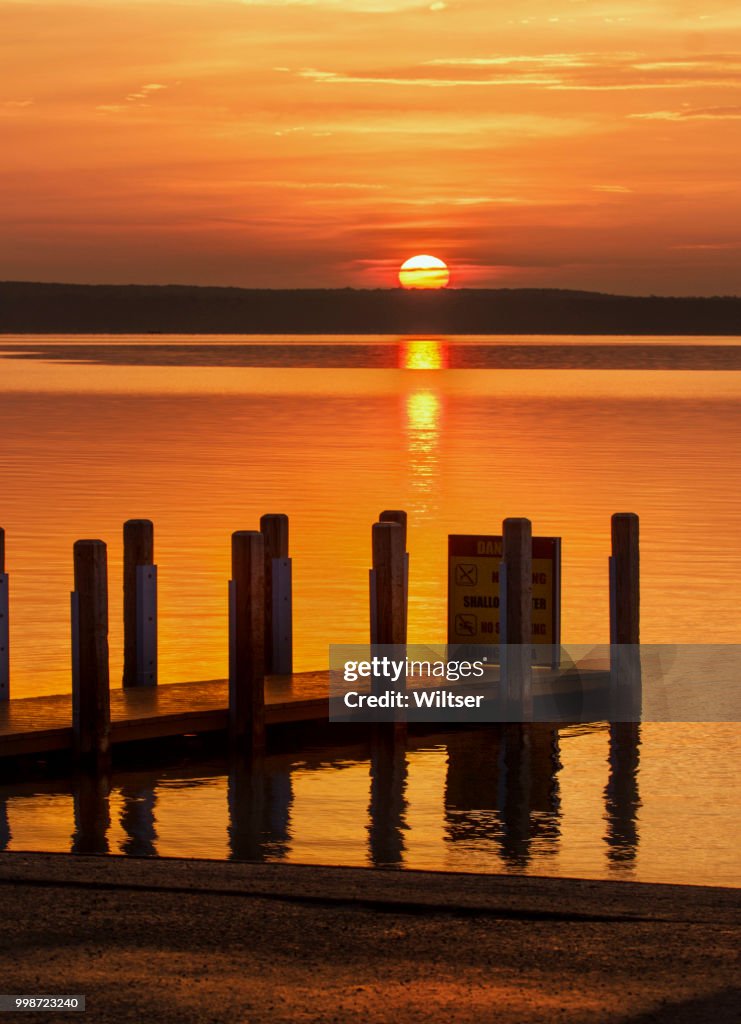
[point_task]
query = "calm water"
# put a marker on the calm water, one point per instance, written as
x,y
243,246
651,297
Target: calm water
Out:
x,y
659,806
204,435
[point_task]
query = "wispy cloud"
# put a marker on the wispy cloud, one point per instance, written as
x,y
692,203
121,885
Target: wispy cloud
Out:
x,y
692,114
708,246
619,71
145,92
139,98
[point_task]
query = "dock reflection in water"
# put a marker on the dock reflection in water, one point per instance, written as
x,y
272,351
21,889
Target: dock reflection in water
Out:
x,y
622,799
259,797
510,799
388,805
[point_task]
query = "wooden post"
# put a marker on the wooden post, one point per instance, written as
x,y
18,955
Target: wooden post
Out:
x,y
247,629
388,567
140,666
396,516
388,614
90,695
625,618
278,597
626,606
4,625
400,517
517,614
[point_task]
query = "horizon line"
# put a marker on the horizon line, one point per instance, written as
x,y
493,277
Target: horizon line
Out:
x,y
396,290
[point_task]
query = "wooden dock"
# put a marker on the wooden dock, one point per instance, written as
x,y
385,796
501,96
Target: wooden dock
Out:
x,y
94,718
41,725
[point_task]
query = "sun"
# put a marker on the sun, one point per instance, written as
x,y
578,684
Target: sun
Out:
x,y
424,272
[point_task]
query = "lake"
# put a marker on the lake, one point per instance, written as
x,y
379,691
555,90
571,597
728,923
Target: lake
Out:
x,y
204,435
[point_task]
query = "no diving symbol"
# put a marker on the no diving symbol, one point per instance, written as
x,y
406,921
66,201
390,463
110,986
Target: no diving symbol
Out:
x,y
466,575
466,625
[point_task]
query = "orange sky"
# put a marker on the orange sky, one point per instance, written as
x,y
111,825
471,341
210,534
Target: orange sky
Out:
x,y
568,143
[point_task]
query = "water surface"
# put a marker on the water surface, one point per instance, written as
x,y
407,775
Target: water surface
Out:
x,y
206,435
655,803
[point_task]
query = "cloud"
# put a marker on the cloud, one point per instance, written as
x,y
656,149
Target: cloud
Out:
x,y
133,99
339,78
145,92
708,246
578,71
692,114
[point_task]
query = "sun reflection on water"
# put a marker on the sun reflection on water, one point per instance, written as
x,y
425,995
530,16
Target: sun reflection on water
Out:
x,y
423,354
423,410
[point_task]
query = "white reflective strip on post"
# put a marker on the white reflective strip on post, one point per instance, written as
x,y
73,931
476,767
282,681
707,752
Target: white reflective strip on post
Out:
x,y
74,607
146,625
232,639
373,606
282,617
504,658
613,600
613,620
4,638
556,659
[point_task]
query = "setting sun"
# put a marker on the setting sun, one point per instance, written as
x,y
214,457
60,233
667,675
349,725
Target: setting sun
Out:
x,y
424,272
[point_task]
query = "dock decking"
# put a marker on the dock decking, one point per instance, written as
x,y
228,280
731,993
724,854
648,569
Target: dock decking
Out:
x,y
41,725
38,725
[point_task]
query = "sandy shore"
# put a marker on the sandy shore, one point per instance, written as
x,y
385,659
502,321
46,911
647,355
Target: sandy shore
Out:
x,y
191,941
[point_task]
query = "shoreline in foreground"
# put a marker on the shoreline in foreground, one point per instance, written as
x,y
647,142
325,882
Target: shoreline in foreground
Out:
x,y
186,940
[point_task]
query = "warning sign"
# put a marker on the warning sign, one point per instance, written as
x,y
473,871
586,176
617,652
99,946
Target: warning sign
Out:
x,y
474,564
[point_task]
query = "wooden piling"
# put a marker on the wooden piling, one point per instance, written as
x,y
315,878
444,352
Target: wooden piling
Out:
x,y
138,538
247,628
388,566
90,688
626,606
518,601
396,516
388,615
625,619
4,624
278,626
400,517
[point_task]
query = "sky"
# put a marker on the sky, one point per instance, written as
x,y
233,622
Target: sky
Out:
x,y
590,144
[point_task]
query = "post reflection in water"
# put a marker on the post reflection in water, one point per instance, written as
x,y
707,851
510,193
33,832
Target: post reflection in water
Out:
x,y
92,814
387,810
5,833
622,798
259,797
137,819
502,788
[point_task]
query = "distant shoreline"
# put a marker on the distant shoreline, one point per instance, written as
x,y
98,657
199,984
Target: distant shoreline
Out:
x,y
38,308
